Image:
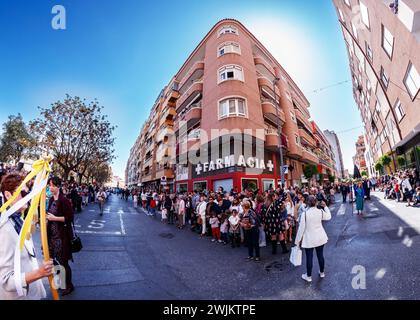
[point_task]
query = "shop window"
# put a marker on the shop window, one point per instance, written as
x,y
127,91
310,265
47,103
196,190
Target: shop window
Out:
x,y
268,184
182,188
200,186
249,184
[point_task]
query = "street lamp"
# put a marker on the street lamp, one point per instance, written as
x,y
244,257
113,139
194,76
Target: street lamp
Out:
x,y
279,131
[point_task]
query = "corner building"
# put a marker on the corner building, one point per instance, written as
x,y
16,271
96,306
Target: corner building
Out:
x,y
230,94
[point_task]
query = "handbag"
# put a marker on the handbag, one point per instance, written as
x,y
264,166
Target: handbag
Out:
x,y
76,242
296,256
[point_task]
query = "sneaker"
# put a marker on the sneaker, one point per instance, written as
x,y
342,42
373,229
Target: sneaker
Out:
x,y
220,241
322,274
249,258
257,259
213,240
306,278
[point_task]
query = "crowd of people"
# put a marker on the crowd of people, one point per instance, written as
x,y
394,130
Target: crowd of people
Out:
x,y
403,186
251,219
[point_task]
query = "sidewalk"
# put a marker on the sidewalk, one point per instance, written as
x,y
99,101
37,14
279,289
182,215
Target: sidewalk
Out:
x,y
410,215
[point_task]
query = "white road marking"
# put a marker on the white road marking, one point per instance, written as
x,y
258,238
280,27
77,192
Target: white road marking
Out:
x,y
97,224
122,223
117,233
342,210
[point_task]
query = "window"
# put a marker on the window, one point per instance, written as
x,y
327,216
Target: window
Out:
x,y
232,107
228,30
353,27
232,72
347,3
229,47
387,41
297,138
200,186
365,14
412,81
341,15
292,115
369,52
384,78
399,110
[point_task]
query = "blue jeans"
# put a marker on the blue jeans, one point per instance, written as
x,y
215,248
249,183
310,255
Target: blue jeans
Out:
x,y
309,257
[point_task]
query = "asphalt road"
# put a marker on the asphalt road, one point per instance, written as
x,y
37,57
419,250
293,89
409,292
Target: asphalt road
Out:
x,y
129,255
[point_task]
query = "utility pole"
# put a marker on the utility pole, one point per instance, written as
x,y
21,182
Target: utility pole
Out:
x,y
279,131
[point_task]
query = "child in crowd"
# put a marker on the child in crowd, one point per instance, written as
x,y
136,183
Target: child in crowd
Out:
x,y
164,215
224,228
214,222
234,232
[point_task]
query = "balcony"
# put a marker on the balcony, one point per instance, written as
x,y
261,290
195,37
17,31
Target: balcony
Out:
x,y
408,11
162,152
272,139
306,137
264,82
168,113
189,143
161,171
308,156
195,72
191,116
192,93
165,131
172,94
269,110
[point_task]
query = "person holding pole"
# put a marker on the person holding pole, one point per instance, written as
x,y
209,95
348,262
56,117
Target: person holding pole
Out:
x,y
31,276
60,231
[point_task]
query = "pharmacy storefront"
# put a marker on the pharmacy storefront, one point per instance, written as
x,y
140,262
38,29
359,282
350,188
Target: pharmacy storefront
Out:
x,y
234,172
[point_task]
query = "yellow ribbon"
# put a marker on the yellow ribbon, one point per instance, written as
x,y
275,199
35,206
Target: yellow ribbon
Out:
x,y
40,169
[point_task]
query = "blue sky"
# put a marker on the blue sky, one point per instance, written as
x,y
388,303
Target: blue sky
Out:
x,y
123,52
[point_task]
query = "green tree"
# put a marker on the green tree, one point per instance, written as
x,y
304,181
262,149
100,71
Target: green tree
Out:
x,y
74,132
364,174
15,141
386,160
379,166
331,178
309,171
401,161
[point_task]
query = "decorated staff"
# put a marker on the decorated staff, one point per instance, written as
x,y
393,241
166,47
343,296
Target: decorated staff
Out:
x,y
20,273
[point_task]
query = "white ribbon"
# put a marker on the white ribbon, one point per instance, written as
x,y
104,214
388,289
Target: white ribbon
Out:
x,y
37,188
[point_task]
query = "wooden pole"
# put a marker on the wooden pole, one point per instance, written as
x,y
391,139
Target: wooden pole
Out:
x,y
44,239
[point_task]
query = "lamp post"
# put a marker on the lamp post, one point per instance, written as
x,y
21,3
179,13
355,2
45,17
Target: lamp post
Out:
x,y
279,131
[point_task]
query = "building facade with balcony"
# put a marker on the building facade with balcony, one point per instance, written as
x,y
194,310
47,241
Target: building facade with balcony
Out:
x,y
335,145
220,128
383,42
359,159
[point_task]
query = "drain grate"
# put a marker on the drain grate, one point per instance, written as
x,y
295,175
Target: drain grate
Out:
x,y
167,235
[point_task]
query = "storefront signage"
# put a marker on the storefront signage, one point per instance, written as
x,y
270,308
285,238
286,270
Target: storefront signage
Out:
x,y
229,161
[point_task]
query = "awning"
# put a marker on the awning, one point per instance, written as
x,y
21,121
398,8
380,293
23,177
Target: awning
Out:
x,y
413,133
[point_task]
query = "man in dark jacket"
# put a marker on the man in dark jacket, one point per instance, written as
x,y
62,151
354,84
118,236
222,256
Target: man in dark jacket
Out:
x,y
168,204
344,191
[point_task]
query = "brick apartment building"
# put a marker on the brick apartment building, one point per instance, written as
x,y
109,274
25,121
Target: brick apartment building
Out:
x,y
216,123
383,42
